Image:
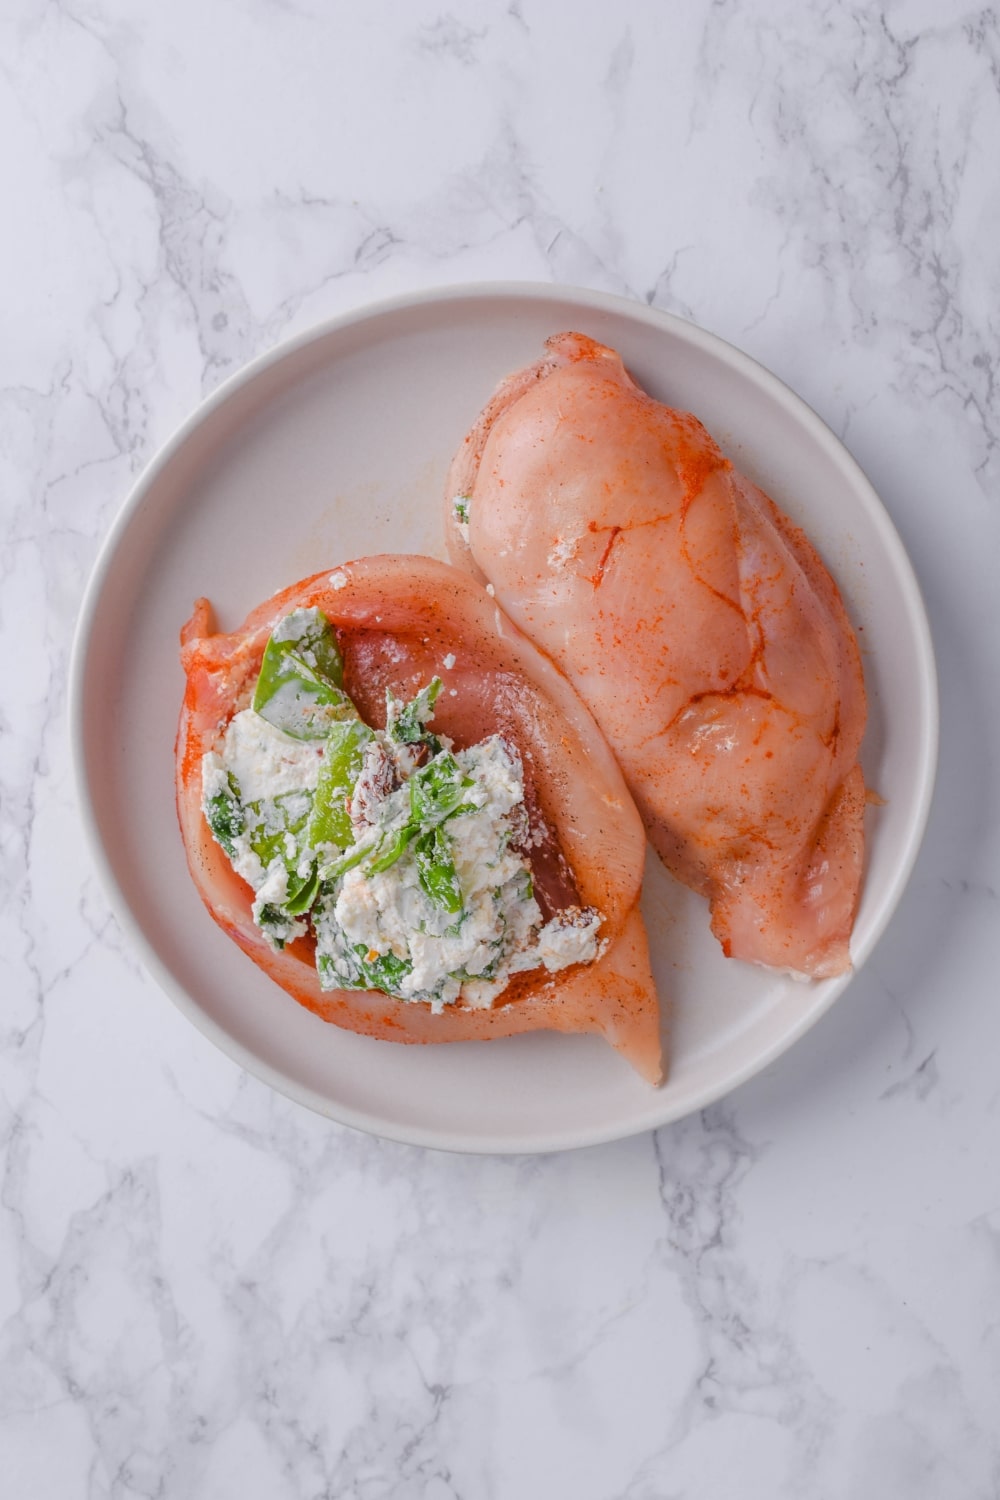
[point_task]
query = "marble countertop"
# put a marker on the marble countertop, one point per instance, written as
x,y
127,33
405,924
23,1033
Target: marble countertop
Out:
x,y
206,1291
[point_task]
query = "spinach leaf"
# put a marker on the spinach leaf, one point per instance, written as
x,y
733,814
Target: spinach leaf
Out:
x,y
226,817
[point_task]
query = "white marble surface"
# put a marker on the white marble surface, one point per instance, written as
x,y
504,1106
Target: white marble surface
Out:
x,y
206,1291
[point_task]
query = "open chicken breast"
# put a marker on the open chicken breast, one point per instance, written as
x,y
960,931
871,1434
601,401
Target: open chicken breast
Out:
x,y
699,626
400,621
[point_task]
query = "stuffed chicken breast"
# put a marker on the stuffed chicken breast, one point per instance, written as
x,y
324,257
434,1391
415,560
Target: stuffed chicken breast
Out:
x,y
406,817
699,626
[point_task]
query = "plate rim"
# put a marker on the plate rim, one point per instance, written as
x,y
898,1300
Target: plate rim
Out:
x,y
587,299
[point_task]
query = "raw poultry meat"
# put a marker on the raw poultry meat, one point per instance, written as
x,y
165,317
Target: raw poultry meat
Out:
x,y
701,628
398,619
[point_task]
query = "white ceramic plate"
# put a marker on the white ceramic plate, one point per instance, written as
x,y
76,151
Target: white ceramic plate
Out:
x,y
334,446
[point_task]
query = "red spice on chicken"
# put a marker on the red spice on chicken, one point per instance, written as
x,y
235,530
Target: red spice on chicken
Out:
x,y
699,626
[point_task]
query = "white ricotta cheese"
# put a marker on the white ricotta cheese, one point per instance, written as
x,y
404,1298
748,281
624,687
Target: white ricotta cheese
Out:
x,y
387,916
297,625
570,938
265,761
499,930
214,783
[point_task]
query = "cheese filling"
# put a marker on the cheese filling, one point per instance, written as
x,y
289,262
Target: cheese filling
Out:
x,y
404,857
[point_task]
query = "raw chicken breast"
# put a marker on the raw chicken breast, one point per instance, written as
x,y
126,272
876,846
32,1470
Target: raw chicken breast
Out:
x,y
400,621
700,627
